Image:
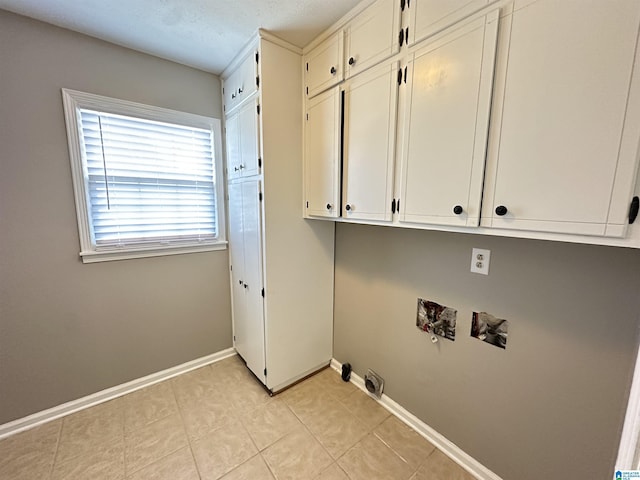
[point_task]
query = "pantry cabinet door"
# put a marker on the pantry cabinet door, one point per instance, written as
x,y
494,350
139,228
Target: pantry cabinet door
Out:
x,y
562,160
253,281
242,83
370,105
236,260
446,126
249,127
248,77
248,321
243,141
322,155
234,153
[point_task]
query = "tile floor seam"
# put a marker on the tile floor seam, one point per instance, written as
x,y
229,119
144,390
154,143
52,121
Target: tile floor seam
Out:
x,y
318,440
294,412
193,457
55,455
127,473
144,425
253,442
273,474
195,463
391,448
124,439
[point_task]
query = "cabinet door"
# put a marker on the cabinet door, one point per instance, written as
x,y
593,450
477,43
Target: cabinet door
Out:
x,y
243,141
322,155
252,343
564,124
323,65
241,84
247,77
245,239
446,125
249,129
236,259
428,17
372,36
230,92
232,136
370,102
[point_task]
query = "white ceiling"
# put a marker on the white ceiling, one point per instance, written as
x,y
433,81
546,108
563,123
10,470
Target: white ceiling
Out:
x,y
204,34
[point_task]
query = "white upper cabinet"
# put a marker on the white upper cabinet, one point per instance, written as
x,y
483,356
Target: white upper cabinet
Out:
x,y
243,141
518,117
427,17
372,36
323,65
564,149
322,155
242,83
449,83
369,143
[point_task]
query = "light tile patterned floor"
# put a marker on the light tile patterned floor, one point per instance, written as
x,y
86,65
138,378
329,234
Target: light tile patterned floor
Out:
x,y
218,423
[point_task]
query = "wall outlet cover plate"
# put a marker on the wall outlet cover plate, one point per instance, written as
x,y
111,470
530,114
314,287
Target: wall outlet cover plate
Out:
x,y
480,261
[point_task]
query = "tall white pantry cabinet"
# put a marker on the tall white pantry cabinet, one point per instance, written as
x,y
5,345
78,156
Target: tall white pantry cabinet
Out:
x,y
281,265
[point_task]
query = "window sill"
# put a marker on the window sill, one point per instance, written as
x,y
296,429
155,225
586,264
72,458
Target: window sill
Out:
x,y
144,252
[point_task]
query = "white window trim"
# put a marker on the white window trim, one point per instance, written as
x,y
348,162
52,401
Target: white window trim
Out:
x,y
73,101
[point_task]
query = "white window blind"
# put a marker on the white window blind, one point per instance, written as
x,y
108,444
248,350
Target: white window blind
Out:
x,y
148,181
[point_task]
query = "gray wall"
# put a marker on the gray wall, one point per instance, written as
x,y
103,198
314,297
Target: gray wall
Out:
x,y
552,404
69,329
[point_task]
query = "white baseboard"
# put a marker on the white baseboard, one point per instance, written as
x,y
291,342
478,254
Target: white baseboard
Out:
x,y
73,406
450,449
630,437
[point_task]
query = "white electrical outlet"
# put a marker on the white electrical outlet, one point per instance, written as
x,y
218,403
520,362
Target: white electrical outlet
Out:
x,y
480,261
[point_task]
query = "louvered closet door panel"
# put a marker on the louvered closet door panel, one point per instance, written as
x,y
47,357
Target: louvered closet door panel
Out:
x,y
254,353
369,143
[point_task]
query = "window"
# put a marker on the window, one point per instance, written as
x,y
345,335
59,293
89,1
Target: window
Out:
x,y
145,178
